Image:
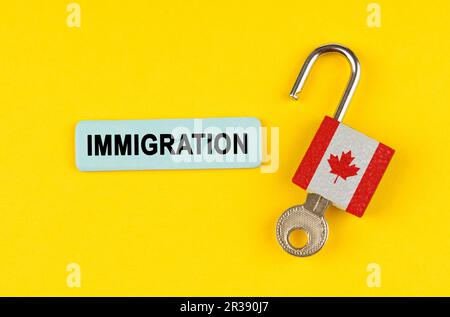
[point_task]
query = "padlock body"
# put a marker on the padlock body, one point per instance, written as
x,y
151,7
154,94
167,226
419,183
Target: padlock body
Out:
x,y
343,165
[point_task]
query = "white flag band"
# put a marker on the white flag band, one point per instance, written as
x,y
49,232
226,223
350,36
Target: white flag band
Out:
x,y
343,165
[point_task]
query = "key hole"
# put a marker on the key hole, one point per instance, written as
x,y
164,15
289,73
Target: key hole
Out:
x,y
298,238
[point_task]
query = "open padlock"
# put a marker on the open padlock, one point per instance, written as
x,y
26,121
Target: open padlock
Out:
x,y
341,167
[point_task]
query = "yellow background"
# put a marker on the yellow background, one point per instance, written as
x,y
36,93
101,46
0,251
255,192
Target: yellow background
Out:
x,y
212,232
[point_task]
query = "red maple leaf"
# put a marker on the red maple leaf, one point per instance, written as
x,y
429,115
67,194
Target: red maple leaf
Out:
x,y
341,167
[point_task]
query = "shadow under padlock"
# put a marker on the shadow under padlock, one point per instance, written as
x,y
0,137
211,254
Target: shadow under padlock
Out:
x,y
341,167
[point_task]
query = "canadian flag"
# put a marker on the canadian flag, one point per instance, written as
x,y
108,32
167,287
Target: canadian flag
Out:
x,y
343,165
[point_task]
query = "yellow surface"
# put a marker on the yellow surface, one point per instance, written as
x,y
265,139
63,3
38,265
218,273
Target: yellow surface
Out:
x,y
212,232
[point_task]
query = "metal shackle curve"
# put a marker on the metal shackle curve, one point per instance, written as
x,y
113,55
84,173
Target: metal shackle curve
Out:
x,y
352,83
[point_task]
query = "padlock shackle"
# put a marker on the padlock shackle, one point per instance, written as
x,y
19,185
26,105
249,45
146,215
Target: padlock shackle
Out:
x,y
352,83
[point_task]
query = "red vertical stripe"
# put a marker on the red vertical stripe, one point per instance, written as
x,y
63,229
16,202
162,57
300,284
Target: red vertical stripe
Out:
x,y
370,180
315,152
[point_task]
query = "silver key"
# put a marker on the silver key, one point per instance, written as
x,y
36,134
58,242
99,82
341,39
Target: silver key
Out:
x,y
309,218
